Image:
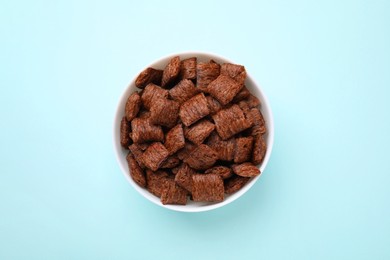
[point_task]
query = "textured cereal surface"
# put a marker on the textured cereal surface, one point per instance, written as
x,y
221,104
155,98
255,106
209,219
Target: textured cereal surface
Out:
x,y
183,91
199,131
188,68
174,140
173,193
125,133
149,75
194,130
230,121
207,187
136,171
194,109
224,89
247,169
154,156
171,72
201,158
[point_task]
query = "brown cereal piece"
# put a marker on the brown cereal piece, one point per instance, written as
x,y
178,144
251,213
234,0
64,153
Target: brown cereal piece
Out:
x,y
201,158
133,105
184,177
251,116
235,183
143,146
205,73
252,101
171,72
144,130
173,193
183,91
224,89
151,94
243,151
188,68
164,112
176,169
213,138
246,169
247,111
154,156
224,149
136,172
213,104
174,140
259,149
149,75
199,131
207,188
137,152
223,171
230,121
243,94
194,109
144,114
244,106
185,152
155,181
257,122
125,133
171,162
237,72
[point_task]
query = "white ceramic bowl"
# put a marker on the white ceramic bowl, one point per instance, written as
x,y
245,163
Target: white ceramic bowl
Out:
x,y
193,206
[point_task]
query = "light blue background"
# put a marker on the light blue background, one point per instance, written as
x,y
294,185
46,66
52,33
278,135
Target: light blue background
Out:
x,y
324,65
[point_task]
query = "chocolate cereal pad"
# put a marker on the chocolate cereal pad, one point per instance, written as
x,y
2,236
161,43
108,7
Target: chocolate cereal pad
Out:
x,y
194,131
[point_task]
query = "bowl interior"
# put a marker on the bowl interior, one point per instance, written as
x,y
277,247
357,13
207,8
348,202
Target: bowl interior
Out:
x,y
192,206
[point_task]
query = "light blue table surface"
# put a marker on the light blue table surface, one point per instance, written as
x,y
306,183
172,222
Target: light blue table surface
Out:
x,y
324,65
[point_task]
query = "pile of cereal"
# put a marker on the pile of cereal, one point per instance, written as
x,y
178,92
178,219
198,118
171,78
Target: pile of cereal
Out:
x,y
193,131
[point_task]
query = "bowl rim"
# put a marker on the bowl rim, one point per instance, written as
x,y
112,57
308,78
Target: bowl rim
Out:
x,y
183,208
